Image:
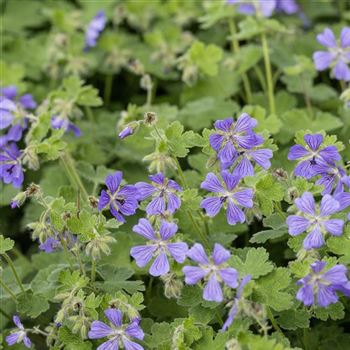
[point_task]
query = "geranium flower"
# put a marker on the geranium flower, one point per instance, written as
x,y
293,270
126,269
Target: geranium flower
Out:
x,y
94,29
19,335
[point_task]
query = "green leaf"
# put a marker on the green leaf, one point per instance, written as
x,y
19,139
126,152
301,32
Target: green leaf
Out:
x,y
6,244
72,341
263,236
205,57
268,191
293,319
256,263
340,246
333,311
32,305
269,289
190,296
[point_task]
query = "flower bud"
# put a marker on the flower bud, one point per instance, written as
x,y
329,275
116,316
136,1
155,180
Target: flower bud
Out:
x,y
31,159
128,130
292,194
233,344
280,174
99,245
146,82
150,118
172,286
18,200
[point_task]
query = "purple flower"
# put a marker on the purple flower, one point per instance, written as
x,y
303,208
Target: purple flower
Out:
x,y
311,155
320,287
10,165
287,6
265,7
64,123
13,134
215,271
50,245
7,108
337,55
158,247
163,192
230,194
26,101
122,200
332,177
315,220
19,335
117,332
235,307
126,132
231,136
94,29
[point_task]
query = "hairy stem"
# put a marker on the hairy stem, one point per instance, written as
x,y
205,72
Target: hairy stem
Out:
x,y
268,72
93,270
273,321
13,268
69,166
235,48
108,88
8,290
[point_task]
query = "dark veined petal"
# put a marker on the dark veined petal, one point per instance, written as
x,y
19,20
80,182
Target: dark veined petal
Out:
x,y
345,37
244,197
142,254
156,206
212,183
197,254
314,141
224,125
327,38
244,168
212,205
109,345
230,276
216,141
145,229
144,190
231,181
167,230
178,251
326,295
329,205
306,203
99,330
130,345
306,295
12,338
193,274
134,330
336,274
297,224
115,316
314,239
245,123
160,265
234,214
220,254
212,290
113,181
334,226
157,178
297,152
174,202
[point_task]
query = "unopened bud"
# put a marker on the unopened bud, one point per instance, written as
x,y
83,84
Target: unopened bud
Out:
x,y
280,174
172,286
233,344
292,194
129,129
146,82
31,159
18,200
150,118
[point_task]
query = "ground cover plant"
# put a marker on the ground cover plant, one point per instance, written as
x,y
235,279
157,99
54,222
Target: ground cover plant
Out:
x,y
175,174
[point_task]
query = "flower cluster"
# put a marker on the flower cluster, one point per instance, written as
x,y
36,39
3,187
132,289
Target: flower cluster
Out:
x,y
265,7
320,287
337,56
94,29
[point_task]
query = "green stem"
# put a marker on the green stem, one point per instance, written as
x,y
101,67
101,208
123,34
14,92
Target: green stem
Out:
x,y
279,210
66,251
108,88
236,49
199,231
8,290
90,115
260,76
273,321
4,313
73,175
342,85
12,266
93,270
268,73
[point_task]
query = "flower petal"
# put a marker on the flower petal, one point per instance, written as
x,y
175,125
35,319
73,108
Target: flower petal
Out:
x,y
322,59
334,226
262,157
113,181
167,230
197,254
99,330
142,254
244,197
306,203
329,205
220,254
130,345
160,265
245,123
134,330
212,183
345,37
224,124
212,290
341,71
174,202
212,205
327,38
230,276
145,229
144,190
115,316
306,295
157,178
234,214
314,239
109,345
156,206
244,168
297,224
326,295
314,141
216,141
178,251
336,274
193,274
297,151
